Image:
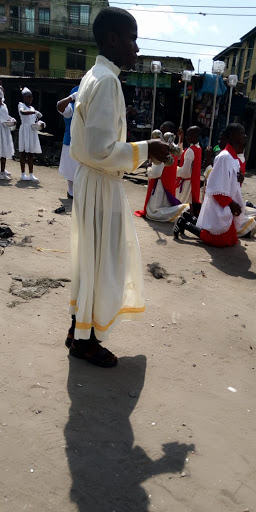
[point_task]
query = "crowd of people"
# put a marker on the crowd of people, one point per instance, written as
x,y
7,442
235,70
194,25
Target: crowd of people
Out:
x,y
107,278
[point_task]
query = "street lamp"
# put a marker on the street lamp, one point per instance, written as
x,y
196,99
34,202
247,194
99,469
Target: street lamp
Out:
x,y
186,77
232,82
156,67
218,68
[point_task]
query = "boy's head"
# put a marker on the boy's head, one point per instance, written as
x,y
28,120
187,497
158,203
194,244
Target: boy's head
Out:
x,y
236,136
192,135
115,32
167,126
222,139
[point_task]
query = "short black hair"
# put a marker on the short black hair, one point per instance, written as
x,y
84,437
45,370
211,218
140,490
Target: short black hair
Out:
x,y
111,19
168,126
233,127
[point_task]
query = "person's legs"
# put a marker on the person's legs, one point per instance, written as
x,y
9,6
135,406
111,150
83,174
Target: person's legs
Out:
x,y
70,189
90,349
182,224
3,174
31,166
22,166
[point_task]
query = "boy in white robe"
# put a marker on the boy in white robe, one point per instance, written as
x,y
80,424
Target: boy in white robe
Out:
x,y
107,280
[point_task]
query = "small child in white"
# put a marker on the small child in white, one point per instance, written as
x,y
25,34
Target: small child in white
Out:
x,y
6,142
28,136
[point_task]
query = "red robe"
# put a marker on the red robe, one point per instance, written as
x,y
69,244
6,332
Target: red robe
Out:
x,y
168,180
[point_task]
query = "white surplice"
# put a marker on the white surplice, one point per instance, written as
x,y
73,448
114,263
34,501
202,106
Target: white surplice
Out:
x,y
185,172
249,214
222,181
107,280
159,207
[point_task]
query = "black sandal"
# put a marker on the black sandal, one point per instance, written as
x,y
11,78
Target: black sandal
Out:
x,y
102,357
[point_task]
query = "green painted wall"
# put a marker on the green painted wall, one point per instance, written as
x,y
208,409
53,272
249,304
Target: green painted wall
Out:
x,y
57,57
91,52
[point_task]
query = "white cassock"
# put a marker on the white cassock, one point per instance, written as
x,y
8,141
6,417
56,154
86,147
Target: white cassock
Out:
x,y
6,142
67,165
159,207
107,280
28,137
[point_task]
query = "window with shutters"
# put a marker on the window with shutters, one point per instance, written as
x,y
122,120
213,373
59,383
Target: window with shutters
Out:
x,y
79,14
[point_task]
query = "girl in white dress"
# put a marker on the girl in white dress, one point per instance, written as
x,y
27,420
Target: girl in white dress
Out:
x,y
28,136
6,142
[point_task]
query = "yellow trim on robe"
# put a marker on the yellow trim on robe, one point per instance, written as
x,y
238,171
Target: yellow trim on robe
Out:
x,y
103,328
246,226
73,303
135,156
179,213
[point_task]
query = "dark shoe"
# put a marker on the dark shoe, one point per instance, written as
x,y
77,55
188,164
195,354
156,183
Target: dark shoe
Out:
x,y
69,196
179,227
190,218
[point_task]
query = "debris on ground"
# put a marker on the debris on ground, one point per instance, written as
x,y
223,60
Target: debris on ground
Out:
x,y
51,221
15,303
1,251
33,288
26,240
5,232
5,213
42,249
157,271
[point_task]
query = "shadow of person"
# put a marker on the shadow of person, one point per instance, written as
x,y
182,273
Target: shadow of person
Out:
x,y
233,261
68,205
106,469
28,184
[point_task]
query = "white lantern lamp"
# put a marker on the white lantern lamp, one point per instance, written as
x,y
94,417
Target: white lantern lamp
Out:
x,y
218,68
186,77
232,82
156,67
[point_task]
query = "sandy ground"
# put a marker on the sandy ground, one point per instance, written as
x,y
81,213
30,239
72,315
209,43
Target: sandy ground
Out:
x,y
161,432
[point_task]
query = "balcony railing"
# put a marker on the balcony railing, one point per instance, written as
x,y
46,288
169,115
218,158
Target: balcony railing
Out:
x,y
28,27
43,73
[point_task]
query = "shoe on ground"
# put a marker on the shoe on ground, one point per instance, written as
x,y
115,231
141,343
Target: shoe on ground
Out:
x,y
7,173
24,177
33,178
179,227
4,176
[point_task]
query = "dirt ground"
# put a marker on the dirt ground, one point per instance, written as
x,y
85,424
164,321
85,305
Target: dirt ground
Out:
x,y
161,432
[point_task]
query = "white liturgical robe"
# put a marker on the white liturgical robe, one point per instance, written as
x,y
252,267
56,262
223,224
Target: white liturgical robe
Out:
x,y
107,280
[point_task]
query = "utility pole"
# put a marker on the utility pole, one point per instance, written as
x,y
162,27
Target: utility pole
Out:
x,y
199,60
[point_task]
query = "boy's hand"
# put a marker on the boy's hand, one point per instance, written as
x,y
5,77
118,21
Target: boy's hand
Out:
x,y
240,177
158,150
235,208
180,134
208,156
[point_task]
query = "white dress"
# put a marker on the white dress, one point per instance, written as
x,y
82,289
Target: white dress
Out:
x,y
6,142
107,280
67,165
28,137
159,207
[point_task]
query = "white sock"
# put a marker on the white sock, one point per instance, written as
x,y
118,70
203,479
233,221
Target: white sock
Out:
x,y
70,187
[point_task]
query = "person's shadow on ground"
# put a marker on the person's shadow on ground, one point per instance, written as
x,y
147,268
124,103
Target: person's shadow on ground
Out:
x,y
106,469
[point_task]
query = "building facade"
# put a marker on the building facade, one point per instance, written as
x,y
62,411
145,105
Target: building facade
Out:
x,y
169,64
240,59
47,38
